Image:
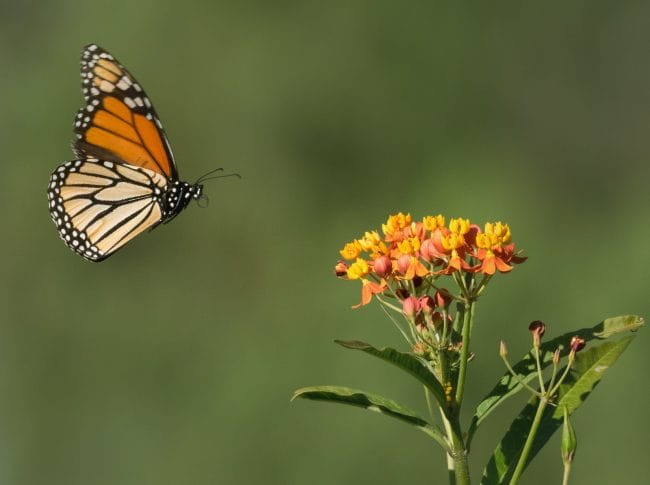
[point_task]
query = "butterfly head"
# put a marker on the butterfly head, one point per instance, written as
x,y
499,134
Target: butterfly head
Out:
x,y
177,196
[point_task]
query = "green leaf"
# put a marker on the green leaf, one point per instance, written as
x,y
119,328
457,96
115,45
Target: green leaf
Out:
x,y
585,374
371,402
410,363
526,368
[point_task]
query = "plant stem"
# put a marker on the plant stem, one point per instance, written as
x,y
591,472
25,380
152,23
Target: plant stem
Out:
x,y
457,465
451,472
567,471
523,458
468,321
461,467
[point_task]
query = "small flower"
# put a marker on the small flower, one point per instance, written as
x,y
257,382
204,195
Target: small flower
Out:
x,y
369,288
383,266
350,251
431,223
411,267
341,269
369,241
394,227
409,246
358,269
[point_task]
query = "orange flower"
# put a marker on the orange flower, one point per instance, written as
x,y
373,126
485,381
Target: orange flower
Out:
x,y
369,288
394,227
498,258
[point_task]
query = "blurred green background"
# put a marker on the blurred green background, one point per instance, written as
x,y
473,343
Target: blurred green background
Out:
x,y
173,362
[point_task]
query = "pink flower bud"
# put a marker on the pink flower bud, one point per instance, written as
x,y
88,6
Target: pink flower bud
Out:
x,y
383,266
427,304
410,307
443,298
428,250
403,263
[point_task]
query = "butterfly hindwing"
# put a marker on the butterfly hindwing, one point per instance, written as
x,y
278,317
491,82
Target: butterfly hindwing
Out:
x,y
119,123
98,206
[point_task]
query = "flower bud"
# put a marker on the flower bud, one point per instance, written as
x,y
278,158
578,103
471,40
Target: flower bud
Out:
x,y
341,269
427,304
419,349
403,263
410,307
443,298
383,266
503,350
537,328
556,357
577,344
569,440
428,250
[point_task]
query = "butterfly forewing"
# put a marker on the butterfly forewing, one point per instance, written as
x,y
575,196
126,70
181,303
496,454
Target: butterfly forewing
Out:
x,y
119,122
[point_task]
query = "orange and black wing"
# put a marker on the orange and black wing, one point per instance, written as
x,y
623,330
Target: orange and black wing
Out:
x,y
98,206
119,123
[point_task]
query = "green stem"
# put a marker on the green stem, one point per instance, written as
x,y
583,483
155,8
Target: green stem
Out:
x,y
521,464
468,321
457,466
518,379
567,471
461,467
539,370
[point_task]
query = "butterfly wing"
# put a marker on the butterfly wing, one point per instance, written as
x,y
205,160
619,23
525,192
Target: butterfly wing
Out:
x,y
119,123
98,206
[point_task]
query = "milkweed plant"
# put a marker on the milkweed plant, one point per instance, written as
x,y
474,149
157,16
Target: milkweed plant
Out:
x,y
428,276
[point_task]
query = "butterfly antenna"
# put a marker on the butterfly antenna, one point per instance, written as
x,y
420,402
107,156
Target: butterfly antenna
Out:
x,y
206,176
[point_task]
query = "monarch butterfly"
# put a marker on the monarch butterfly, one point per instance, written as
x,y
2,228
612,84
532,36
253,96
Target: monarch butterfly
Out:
x,y
124,179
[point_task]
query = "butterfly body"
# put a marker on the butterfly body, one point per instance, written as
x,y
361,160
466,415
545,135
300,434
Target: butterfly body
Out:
x,y
124,180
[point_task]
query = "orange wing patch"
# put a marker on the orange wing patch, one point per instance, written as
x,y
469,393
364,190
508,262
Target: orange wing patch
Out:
x,y
133,138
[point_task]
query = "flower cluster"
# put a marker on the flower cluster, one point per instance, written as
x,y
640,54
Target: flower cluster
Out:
x,y
410,253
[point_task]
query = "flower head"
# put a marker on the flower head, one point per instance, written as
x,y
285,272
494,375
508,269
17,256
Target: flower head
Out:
x,y
350,251
412,255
